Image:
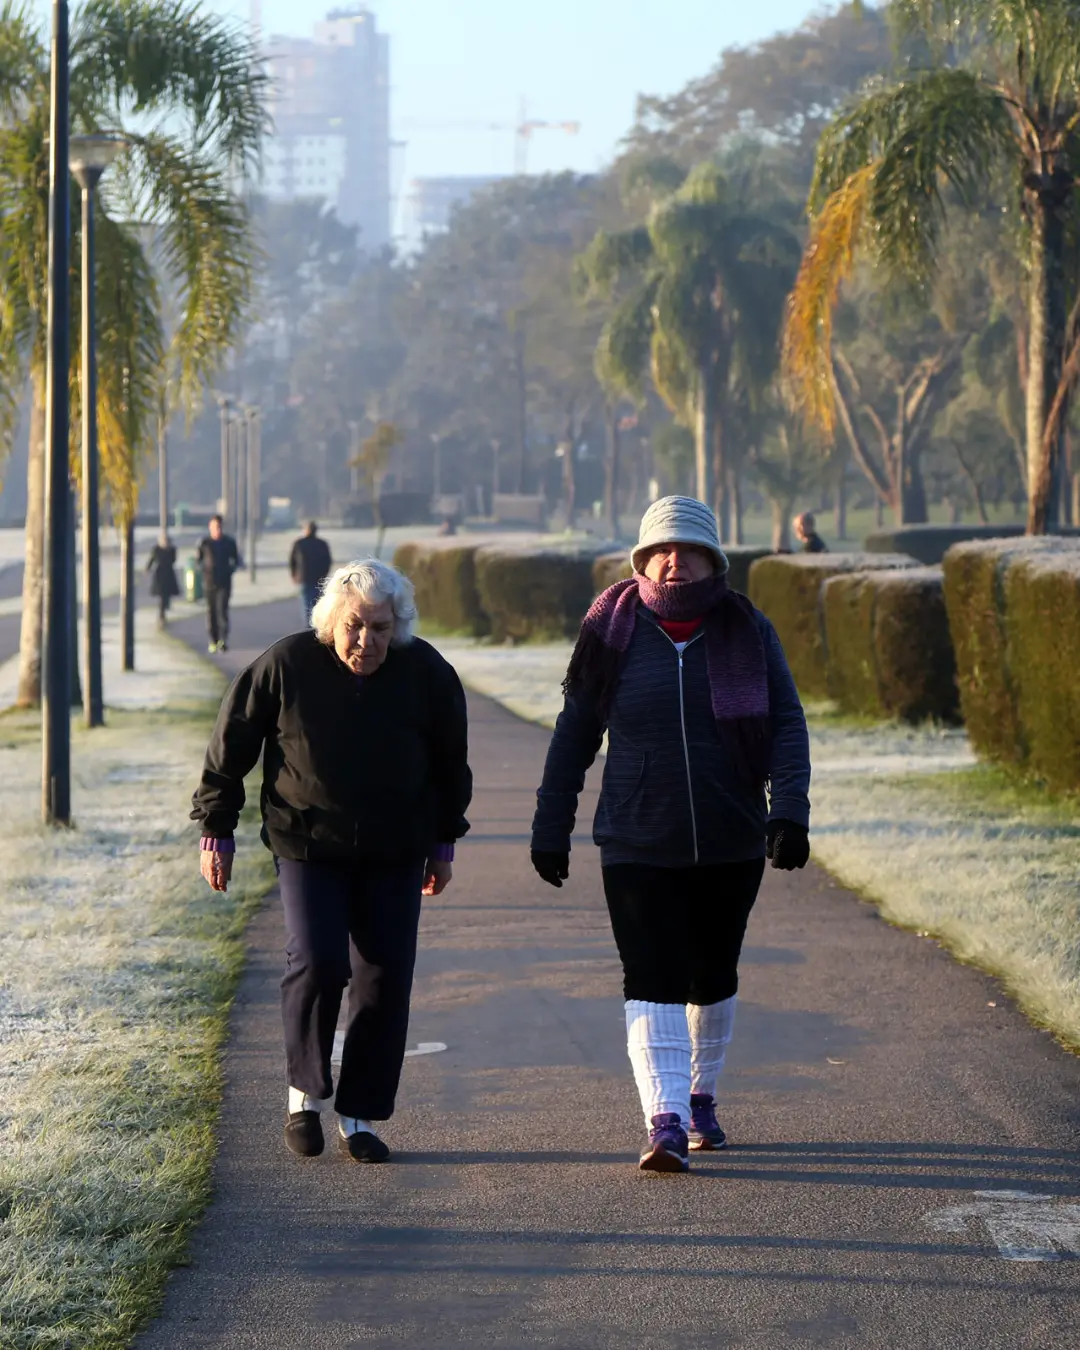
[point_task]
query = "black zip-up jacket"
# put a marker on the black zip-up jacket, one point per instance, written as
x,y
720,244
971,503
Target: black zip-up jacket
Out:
x,y
671,796
354,767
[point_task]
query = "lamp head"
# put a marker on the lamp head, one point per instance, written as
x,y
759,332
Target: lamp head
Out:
x,y
89,156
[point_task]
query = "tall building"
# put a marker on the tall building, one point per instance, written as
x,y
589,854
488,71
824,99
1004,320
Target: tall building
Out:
x,y
330,103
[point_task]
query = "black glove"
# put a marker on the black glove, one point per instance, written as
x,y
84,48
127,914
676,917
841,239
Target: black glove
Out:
x,y
553,867
787,845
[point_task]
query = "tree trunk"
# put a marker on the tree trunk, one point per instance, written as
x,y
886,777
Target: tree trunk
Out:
x,y
127,594
611,469
912,490
781,523
734,495
840,504
704,437
33,592
1047,341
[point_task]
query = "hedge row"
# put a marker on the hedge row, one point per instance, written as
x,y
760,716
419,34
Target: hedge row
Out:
x,y
788,589
888,644
1014,611
512,590
929,543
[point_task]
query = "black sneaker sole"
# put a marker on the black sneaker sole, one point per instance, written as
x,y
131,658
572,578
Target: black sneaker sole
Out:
x,y
660,1160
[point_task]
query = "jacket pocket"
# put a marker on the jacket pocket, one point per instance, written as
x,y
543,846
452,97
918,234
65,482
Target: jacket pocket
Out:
x,y
643,801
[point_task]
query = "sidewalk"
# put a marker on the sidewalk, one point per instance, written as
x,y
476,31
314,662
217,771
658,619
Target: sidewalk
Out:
x,y
877,1090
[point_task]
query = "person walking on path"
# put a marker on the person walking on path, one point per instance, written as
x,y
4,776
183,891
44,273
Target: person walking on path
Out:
x,y
691,685
309,565
219,558
162,568
363,733
805,527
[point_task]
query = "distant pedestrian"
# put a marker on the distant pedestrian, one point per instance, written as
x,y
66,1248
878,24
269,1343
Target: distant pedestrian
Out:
x,y
162,569
219,558
363,734
309,566
805,527
690,683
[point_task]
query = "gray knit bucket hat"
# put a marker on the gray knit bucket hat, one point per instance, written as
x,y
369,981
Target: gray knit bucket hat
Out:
x,y
678,520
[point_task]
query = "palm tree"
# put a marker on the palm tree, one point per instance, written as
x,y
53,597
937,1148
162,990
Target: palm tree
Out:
x,y
701,286
1002,107
185,90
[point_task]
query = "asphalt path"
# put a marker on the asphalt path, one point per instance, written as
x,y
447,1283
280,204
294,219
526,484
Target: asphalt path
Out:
x,y
877,1092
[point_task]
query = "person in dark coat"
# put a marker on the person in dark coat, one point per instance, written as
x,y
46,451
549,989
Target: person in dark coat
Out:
x,y
219,558
309,566
363,734
805,527
707,775
162,569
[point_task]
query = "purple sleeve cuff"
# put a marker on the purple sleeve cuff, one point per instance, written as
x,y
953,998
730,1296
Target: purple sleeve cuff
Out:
x,y
208,844
442,853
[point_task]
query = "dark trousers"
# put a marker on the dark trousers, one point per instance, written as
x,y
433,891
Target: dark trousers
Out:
x,y
217,611
679,930
355,921
309,595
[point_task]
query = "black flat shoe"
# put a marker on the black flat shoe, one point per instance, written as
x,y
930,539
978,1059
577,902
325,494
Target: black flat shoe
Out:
x,y
303,1133
365,1147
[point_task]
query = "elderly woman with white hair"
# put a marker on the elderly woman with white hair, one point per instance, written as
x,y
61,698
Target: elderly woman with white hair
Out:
x,y
365,781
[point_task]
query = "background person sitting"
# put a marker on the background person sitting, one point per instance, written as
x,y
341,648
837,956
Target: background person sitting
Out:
x,y
805,527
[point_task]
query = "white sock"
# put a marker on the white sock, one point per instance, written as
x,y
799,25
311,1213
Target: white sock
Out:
x,y
710,1026
300,1101
658,1042
354,1125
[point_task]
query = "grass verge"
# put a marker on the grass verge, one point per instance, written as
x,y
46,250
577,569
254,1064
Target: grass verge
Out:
x,y
117,969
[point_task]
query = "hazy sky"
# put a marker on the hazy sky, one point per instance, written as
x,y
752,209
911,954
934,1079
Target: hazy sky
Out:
x,y
470,61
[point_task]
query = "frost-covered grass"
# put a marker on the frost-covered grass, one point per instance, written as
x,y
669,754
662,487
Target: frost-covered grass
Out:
x,y
117,965
906,817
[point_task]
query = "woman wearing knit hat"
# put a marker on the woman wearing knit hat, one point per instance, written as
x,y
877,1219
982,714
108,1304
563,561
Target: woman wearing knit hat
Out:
x,y
691,685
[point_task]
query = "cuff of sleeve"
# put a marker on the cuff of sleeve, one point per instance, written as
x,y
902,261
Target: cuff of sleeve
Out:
x,y
442,853
787,809
208,844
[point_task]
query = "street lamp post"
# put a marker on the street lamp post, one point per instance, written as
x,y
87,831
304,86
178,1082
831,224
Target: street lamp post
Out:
x,y
56,656
163,470
89,157
254,488
224,404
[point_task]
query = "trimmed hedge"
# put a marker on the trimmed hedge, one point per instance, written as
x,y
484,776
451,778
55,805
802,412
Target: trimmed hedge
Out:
x,y
930,543
610,568
787,588
1042,615
531,593
443,573
889,649
975,577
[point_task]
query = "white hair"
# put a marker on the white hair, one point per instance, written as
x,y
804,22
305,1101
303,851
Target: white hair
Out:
x,y
371,581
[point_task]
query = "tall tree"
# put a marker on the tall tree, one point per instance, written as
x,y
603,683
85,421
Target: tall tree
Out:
x,y
703,284
1000,106
185,89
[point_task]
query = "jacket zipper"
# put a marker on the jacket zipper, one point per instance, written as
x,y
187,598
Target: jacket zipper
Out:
x,y
685,743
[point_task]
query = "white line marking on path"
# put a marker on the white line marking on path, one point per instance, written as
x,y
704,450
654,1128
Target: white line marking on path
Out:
x,y
1023,1226
422,1048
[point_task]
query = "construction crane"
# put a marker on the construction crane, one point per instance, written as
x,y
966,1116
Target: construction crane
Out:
x,y
524,129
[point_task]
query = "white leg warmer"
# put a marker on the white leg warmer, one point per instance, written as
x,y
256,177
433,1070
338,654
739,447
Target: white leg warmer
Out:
x,y
658,1042
300,1101
710,1032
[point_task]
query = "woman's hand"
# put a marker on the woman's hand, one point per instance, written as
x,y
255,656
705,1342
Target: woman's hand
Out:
x,y
216,868
437,876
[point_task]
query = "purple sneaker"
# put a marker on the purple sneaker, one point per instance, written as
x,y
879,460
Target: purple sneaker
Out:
x,y
667,1146
705,1132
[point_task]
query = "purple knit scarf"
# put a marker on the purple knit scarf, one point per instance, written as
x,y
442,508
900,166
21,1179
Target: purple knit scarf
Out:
x,y
735,657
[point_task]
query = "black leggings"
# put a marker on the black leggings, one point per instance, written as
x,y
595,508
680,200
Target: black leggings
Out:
x,y
679,930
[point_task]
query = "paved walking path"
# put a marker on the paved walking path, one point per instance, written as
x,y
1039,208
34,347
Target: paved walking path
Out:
x,y
877,1091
